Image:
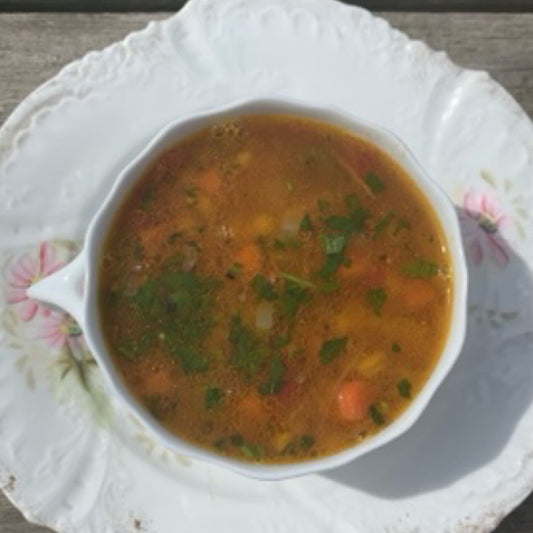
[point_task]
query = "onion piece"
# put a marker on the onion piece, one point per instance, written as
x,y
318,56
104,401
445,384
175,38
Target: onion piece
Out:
x,y
264,316
290,224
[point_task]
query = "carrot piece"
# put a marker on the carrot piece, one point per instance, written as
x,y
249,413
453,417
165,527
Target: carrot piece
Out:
x,y
418,293
251,407
209,182
249,257
353,400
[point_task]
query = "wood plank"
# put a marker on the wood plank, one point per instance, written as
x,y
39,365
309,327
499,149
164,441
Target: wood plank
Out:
x,y
73,6
32,48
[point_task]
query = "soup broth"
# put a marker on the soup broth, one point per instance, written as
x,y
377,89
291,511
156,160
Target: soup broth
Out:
x,y
274,289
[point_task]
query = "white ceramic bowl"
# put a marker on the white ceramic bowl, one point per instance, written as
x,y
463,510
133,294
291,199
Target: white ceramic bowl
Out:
x,y
74,288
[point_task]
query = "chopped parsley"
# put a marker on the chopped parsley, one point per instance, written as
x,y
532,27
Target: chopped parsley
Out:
x,y
375,184
329,285
251,451
419,268
264,289
323,205
305,223
376,415
333,243
330,265
404,388
248,352
147,197
331,349
351,202
307,442
383,223
280,340
293,297
396,347
234,271
297,280
173,237
400,225
180,304
276,371
354,223
213,396
376,298
236,439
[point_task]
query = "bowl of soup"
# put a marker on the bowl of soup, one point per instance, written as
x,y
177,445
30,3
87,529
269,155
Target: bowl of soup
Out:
x,y
271,287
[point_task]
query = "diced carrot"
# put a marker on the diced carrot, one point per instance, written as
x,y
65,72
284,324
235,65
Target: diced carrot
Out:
x,y
251,407
249,257
353,400
418,293
209,182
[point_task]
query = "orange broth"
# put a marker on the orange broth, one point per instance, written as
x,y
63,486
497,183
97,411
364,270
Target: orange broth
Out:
x,y
274,289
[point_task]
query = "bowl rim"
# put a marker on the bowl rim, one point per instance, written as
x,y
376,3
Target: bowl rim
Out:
x,y
179,128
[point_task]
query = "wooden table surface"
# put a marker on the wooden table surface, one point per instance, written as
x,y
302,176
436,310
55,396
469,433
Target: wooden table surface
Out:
x,y
34,46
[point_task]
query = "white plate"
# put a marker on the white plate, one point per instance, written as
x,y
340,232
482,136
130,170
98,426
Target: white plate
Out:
x,y
71,458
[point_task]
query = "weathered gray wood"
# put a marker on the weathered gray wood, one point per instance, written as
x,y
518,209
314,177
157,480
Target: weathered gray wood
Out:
x,y
74,6
34,46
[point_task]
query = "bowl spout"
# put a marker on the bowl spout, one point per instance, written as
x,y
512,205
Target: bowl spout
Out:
x,y
64,288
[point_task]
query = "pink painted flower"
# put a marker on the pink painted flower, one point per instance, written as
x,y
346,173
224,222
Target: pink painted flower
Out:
x,y
26,270
481,220
59,330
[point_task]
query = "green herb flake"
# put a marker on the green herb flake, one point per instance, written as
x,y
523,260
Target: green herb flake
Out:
x,y
293,297
173,237
383,223
404,388
323,205
396,347
307,442
401,224
248,352
418,268
276,371
305,223
280,340
333,243
376,415
145,296
351,202
183,307
375,184
138,251
264,290
213,397
331,349
376,298
147,198
234,271
297,280
329,286
252,451
236,439
330,265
